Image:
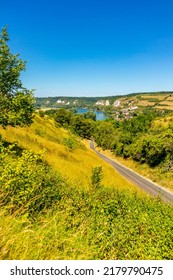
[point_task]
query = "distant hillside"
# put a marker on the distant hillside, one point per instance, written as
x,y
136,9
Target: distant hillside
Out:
x,y
54,102
159,100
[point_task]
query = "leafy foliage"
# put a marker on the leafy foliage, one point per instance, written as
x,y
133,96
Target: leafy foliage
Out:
x,y
136,138
104,134
63,117
70,142
27,183
97,176
148,149
108,224
90,115
16,102
81,126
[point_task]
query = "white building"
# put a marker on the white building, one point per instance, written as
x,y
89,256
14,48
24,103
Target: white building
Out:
x,y
75,102
59,101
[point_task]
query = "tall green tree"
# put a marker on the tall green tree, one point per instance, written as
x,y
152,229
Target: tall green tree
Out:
x,y
105,134
83,127
63,117
16,102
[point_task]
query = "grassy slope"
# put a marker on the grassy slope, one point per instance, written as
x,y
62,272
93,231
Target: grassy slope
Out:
x,y
44,136
114,222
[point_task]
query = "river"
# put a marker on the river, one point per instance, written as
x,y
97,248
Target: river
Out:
x,y
100,116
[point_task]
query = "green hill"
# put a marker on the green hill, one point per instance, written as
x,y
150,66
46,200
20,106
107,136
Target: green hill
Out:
x,y
159,100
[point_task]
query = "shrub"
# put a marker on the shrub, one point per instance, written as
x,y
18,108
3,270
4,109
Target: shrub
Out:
x,y
27,183
97,176
70,143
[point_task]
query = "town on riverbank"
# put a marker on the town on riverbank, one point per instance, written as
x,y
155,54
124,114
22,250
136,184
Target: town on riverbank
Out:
x,y
118,107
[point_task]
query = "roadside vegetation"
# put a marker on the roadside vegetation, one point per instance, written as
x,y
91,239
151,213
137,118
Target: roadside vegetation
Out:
x,y
143,142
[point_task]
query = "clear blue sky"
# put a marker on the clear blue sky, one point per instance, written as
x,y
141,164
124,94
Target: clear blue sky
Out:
x,y
92,47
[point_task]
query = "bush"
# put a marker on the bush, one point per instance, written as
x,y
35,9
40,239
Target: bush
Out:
x,y
41,113
70,143
27,183
97,176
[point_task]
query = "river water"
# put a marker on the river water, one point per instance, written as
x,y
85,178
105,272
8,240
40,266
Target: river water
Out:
x,y
100,116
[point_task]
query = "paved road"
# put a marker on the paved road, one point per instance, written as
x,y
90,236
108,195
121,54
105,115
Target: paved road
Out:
x,y
137,179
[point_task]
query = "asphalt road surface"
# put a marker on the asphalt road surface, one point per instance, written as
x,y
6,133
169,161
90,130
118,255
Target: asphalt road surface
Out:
x,y
137,179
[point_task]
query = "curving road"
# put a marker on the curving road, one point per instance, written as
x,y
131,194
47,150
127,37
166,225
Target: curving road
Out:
x,y
137,179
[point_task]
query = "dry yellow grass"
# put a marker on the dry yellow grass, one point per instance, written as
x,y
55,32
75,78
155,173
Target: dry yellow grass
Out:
x,y
75,165
167,102
162,121
45,109
170,98
159,97
168,107
146,103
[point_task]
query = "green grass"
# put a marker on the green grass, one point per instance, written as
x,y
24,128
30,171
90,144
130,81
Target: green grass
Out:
x,y
105,224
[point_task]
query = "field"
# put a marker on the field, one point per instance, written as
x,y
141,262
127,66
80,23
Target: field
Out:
x,y
170,98
146,103
165,106
155,100
155,97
